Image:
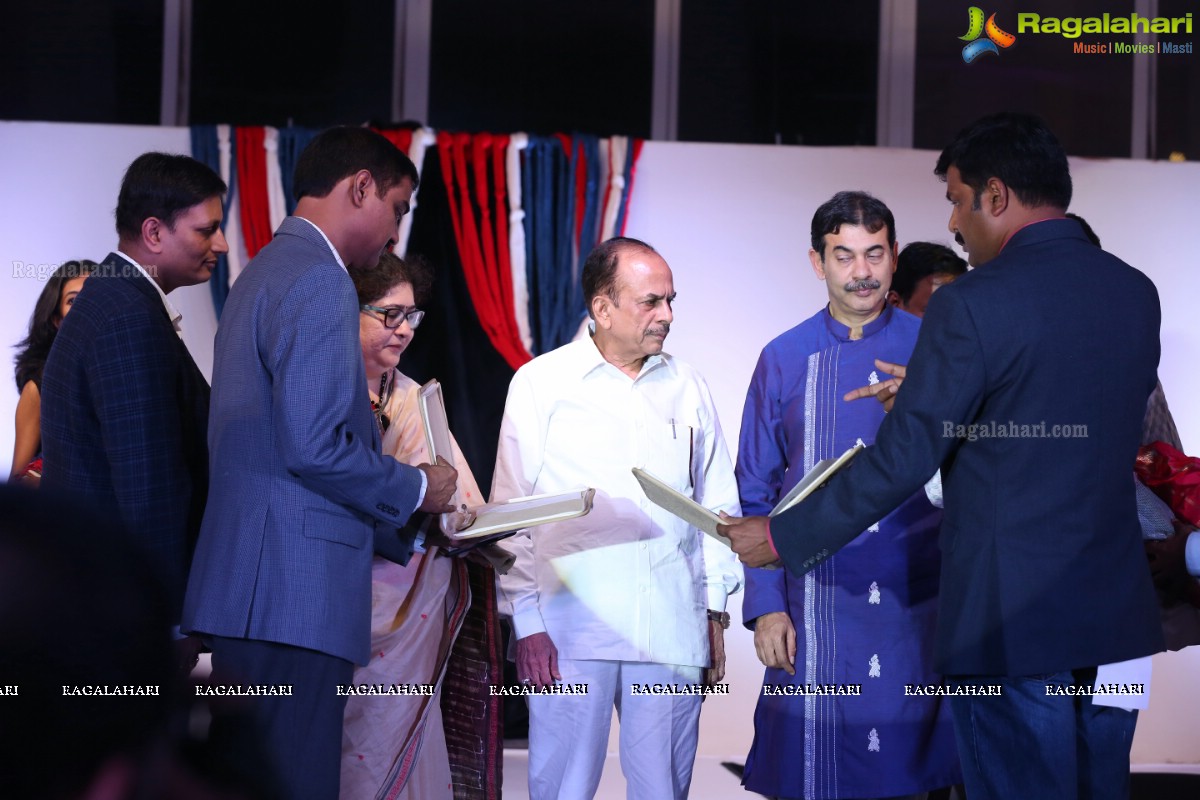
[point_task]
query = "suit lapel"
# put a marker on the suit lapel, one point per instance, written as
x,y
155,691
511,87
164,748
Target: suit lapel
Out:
x,y
298,226
117,267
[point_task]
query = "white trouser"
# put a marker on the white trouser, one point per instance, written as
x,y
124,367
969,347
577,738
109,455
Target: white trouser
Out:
x,y
568,734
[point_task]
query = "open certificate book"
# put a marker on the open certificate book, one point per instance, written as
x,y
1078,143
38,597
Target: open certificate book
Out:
x,y
697,515
493,520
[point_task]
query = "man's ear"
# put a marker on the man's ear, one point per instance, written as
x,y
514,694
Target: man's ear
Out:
x,y
602,310
893,297
153,232
995,197
361,183
818,264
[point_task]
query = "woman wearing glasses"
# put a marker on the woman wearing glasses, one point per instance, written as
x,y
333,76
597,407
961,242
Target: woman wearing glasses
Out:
x,y
395,745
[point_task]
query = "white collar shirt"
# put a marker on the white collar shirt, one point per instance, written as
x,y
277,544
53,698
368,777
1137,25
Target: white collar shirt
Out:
x,y
172,312
336,255
628,581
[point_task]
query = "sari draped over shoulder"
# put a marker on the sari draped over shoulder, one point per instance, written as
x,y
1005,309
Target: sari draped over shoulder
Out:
x,y
420,722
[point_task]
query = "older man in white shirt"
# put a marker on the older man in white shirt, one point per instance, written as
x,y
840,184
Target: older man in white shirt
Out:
x,y
629,597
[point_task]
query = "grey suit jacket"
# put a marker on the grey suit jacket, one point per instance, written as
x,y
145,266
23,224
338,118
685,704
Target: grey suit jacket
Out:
x,y
299,491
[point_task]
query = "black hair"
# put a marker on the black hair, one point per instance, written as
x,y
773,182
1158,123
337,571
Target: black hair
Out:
x,y
33,350
162,185
920,260
373,283
337,153
1020,150
600,268
851,208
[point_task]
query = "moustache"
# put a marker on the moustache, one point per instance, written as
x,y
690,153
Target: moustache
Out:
x,y
662,330
862,283
958,238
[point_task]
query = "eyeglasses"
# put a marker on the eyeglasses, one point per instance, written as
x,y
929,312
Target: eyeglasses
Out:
x,y
394,315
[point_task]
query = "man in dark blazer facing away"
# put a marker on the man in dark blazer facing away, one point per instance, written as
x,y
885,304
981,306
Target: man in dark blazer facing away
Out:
x,y
301,497
1027,387
124,407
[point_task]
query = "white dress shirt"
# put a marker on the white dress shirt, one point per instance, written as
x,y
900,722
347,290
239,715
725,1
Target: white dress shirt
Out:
x,y
336,255
172,312
629,581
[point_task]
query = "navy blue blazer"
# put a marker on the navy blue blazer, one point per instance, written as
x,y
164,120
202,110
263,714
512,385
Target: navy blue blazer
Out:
x,y
301,496
124,417
1042,566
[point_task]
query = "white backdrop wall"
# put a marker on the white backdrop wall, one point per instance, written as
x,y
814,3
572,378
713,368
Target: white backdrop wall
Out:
x,y
732,220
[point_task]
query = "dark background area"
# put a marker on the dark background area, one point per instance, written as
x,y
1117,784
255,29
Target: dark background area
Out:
x,y
762,72
1085,98
306,62
542,66
778,72
82,62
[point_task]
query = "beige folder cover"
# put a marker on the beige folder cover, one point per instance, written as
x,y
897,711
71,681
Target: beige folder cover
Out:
x,y
435,422
697,515
814,479
527,512
680,505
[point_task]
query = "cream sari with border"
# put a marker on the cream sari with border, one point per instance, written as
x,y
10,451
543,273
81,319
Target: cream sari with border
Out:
x,y
394,745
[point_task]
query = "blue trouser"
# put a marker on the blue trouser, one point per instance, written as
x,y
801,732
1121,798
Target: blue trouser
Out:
x,y
301,734
1032,743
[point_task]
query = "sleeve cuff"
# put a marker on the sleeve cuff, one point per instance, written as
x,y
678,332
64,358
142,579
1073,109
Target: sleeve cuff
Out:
x,y
718,596
933,490
771,541
527,623
424,486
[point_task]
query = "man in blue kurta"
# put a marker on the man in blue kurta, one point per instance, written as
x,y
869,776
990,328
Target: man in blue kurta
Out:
x,y
848,647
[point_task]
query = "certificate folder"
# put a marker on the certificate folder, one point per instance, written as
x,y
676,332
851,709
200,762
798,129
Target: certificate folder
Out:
x,y
526,512
697,515
814,479
680,505
433,419
493,520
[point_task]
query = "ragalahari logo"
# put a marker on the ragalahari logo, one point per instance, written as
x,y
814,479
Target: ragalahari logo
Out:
x,y
996,38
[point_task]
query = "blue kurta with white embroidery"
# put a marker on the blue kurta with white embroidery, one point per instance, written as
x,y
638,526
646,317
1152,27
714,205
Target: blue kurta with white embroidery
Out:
x,y
864,618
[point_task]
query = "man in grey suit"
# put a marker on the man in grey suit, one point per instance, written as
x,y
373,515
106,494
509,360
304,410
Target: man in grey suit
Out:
x,y
300,496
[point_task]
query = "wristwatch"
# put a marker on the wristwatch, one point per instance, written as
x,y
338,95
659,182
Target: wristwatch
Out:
x,y
719,616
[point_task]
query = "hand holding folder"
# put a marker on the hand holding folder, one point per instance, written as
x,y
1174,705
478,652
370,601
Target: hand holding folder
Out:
x,y
493,521
717,526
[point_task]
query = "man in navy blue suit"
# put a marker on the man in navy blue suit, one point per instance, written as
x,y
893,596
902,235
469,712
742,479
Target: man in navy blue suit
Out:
x,y
1027,387
124,407
301,496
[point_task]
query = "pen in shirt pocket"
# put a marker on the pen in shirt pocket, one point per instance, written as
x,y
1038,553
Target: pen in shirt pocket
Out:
x,y
691,449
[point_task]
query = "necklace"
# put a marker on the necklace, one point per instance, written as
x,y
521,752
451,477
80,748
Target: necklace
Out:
x,y
377,406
